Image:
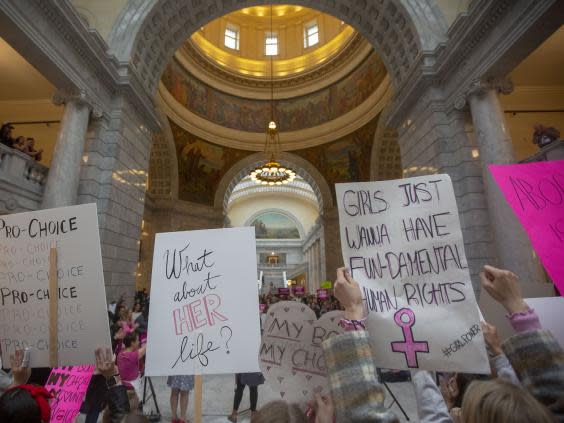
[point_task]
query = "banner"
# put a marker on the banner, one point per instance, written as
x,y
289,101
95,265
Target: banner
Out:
x,y
291,357
402,242
25,241
535,192
68,386
204,304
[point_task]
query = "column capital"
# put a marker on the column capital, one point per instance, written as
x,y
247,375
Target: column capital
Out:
x,y
81,97
502,85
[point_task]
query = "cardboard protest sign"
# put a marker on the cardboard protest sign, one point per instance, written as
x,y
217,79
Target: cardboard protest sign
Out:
x,y
68,386
291,357
535,192
551,315
402,242
204,306
25,242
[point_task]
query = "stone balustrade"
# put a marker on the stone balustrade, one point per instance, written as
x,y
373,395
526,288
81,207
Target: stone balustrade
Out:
x,y
553,151
22,181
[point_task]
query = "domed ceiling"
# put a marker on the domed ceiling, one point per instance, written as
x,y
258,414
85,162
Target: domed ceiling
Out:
x,y
289,23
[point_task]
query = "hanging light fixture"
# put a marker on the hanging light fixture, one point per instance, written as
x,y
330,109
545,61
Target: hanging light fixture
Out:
x,y
272,172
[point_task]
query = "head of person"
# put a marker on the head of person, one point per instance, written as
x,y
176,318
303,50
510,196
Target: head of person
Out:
x,y
123,313
499,401
31,142
25,403
6,130
137,308
279,412
131,341
21,140
453,386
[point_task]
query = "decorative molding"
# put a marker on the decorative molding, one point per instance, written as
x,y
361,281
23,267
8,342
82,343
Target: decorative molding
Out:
x,y
61,98
206,70
479,87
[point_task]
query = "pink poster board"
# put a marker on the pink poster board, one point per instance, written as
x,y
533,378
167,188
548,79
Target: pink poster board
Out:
x,y
68,386
298,290
322,294
535,192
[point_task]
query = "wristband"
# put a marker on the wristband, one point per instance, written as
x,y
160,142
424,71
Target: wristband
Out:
x,y
350,325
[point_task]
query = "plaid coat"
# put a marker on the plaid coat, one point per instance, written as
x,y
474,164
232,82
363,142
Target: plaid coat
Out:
x,y
538,360
357,393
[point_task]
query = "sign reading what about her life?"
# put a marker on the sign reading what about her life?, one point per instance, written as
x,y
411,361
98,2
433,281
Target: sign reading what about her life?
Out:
x,y
204,306
402,242
25,243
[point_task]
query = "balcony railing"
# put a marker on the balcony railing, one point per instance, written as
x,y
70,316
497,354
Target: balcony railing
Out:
x,y
22,181
553,151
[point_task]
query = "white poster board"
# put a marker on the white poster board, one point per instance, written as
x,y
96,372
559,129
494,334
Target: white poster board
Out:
x,y
204,310
25,241
402,242
551,315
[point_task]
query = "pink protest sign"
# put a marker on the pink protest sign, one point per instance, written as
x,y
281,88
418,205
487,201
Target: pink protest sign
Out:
x,y
535,192
298,290
322,293
68,386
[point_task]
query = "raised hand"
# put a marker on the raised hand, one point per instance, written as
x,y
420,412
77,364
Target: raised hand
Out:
x,y
503,286
347,291
21,374
492,338
105,362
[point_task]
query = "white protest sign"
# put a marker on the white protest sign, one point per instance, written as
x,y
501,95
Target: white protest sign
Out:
x,y
25,242
204,311
551,315
291,357
402,242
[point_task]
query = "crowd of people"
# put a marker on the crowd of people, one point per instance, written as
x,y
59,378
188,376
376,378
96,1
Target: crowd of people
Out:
x,y
319,305
526,384
24,144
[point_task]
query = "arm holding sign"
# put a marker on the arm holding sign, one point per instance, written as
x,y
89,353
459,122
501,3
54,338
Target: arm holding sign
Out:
x,y
535,355
118,402
355,388
20,372
431,407
499,361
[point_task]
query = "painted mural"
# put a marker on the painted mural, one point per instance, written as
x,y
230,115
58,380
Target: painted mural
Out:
x,y
293,114
201,165
346,159
273,225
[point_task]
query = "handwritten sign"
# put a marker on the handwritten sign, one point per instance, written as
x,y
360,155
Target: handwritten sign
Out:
x,y
68,386
25,241
298,290
291,357
402,242
204,306
322,293
535,192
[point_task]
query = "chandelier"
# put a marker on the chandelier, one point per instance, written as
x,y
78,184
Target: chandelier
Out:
x,y
272,172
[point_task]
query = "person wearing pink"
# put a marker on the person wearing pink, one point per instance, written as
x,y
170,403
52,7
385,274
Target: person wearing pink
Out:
x,y
128,363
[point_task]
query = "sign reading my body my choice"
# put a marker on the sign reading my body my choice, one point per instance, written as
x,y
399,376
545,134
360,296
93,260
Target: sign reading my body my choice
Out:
x,y
25,242
204,303
402,242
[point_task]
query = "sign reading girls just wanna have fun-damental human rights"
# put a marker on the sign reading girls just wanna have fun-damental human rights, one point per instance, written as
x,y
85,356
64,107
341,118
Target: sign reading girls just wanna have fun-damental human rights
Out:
x,y
402,242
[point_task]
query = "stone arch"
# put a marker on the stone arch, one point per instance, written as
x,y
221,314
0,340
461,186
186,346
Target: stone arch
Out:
x,y
148,32
283,212
163,164
301,166
385,157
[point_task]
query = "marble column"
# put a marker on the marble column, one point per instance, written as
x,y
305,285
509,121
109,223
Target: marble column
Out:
x,y
513,248
61,188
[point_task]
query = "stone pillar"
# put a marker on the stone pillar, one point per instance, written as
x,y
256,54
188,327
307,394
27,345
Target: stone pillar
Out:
x,y
513,248
61,188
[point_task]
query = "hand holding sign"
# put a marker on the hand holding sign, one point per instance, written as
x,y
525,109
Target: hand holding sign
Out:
x,y
347,291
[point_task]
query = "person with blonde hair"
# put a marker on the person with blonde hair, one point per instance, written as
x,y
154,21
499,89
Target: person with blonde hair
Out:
x,y
500,401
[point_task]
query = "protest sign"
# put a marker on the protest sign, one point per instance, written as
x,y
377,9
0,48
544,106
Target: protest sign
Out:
x,y
25,243
291,357
535,192
402,242
551,315
298,290
283,291
322,293
204,304
68,386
